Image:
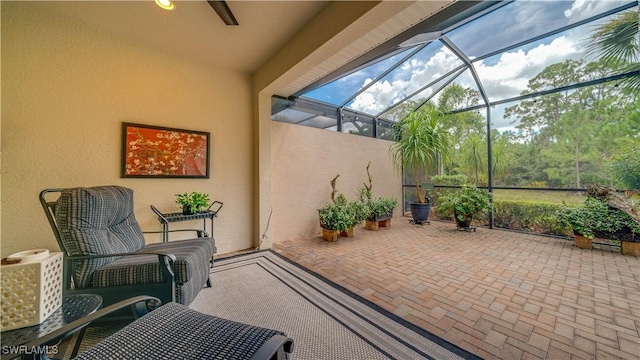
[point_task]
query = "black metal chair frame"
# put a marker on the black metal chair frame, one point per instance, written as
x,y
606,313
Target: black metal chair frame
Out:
x,y
165,291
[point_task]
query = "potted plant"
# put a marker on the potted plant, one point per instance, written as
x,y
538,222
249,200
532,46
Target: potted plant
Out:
x,y
597,219
465,203
339,217
334,219
582,221
379,211
192,203
359,212
420,139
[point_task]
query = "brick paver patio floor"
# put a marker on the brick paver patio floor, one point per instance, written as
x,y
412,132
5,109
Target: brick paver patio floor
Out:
x,y
495,293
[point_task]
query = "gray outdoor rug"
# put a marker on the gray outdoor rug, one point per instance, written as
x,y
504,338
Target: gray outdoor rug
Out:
x,y
324,320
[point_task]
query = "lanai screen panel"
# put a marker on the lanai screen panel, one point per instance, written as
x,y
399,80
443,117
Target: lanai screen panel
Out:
x,y
401,110
339,90
553,62
521,21
462,93
558,116
429,64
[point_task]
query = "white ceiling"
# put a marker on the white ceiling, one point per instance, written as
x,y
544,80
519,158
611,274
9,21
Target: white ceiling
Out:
x,y
194,30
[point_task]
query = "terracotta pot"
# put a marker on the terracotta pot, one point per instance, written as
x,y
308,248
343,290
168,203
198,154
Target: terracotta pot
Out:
x,y
631,248
582,242
378,222
330,235
376,225
347,233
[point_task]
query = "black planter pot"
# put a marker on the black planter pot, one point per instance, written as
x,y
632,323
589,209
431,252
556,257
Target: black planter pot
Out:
x,y
186,210
420,212
463,223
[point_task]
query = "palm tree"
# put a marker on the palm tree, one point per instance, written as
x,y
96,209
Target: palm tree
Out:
x,y
420,140
473,147
618,44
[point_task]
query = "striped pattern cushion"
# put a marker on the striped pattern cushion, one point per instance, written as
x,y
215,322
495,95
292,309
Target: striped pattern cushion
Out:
x,y
176,332
97,221
192,257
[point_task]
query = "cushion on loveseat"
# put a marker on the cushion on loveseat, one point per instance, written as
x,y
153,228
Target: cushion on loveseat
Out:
x,y
97,221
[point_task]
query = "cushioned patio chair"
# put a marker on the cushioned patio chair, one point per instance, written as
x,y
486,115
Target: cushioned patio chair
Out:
x,y
173,331
104,249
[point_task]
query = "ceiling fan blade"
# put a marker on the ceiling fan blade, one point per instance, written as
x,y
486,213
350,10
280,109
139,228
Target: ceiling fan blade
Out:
x,y
223,10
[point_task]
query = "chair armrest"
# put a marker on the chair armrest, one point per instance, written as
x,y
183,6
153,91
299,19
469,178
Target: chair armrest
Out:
x,y
160,253
165,259
274,348
134,302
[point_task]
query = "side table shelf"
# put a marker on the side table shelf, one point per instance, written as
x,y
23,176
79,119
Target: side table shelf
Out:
x,y
73,308
167,218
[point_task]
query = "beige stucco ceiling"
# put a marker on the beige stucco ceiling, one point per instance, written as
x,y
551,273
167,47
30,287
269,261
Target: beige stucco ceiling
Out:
x,y
194,30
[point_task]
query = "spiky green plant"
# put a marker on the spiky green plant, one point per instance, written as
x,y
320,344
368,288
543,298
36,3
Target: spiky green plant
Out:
x,y
420,139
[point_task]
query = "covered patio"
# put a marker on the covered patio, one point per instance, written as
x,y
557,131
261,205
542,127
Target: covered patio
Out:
x,y
495,293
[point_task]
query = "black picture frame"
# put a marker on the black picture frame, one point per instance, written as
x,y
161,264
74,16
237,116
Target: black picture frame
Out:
x,y
150,151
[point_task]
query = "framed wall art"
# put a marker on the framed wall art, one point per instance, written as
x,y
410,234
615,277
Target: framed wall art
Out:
x,y
154,151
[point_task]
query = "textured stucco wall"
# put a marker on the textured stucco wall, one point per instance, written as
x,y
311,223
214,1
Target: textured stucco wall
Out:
x,y
66,89
304,162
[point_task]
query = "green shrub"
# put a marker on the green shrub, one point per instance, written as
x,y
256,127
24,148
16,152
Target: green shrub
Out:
x,y
359,210
336,217
467,201
592,219
529,216
595,218
522,215
381,206
625,167
437,194
449,180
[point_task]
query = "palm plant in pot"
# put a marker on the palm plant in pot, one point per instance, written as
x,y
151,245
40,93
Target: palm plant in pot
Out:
x,y
464,204
420,140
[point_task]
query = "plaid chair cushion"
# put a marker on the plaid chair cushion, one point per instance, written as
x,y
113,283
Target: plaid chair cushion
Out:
x,y
192,257
174,331
97,221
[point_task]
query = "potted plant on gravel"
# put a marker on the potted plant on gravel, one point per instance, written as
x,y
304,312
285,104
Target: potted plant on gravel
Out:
x,y
464,204
420,140
192,203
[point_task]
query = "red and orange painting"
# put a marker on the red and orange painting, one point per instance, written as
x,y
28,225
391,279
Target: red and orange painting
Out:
x,y
152,151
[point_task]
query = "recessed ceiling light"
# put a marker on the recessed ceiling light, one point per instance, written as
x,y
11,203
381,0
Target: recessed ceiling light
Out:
x,y
165,4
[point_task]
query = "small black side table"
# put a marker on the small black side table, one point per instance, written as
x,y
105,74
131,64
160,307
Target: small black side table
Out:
x,y
73,308
167,218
